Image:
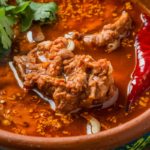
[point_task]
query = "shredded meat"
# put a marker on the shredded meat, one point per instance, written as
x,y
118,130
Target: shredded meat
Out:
x,y
73,81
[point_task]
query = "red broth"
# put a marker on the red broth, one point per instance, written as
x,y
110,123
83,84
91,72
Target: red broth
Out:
x,y
26,108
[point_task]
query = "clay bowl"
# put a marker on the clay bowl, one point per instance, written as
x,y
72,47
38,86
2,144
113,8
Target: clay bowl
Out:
x,y
109,139
104,140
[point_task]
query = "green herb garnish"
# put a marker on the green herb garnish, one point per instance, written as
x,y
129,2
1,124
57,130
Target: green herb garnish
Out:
x,y
29,11
38,12
3,2
6,31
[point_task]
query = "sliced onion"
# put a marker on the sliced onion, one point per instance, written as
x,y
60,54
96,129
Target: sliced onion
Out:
x,y
69,35
16,75
29,36
51,102
39,36
71,45
76,110
112,100
109,102
93,122
88,127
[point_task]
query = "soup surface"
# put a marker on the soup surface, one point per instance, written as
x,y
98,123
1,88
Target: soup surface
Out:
x,y
30,113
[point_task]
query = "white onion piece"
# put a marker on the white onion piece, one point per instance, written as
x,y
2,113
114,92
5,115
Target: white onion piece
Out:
x,y
16,74
71,45
69,35
76,110
109,102
29,36
112,100
88,127
39,36
93,122
51,102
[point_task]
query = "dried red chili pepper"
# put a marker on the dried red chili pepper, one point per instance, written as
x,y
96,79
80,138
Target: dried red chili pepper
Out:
x,y
140,81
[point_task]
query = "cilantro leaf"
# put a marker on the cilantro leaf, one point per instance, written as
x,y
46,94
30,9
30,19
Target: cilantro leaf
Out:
x,y
30,11
3,51
44,11
16,9
26,19
38,12
6,22
5,39
3,2
19,1
20,8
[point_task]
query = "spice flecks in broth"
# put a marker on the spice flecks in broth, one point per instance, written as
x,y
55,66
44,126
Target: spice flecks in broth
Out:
x,y
32,115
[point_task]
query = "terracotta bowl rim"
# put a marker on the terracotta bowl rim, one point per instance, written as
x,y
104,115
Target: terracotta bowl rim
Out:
x,y
139,121
142,119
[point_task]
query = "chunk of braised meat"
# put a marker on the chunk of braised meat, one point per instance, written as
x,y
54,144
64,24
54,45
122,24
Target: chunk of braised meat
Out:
x,y
45,60
111,34
73,81
94,81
